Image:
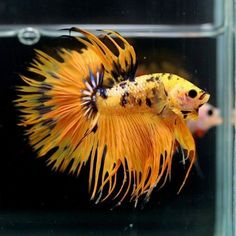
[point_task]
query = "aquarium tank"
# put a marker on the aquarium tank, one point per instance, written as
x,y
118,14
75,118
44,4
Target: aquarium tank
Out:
x,y
193,39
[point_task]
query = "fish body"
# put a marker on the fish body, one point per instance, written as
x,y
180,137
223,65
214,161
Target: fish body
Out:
x,y
143,94
90,108
153,93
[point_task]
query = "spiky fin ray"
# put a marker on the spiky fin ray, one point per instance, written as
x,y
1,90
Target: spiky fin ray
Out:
x,y
117,68
185,139
56,121
136,156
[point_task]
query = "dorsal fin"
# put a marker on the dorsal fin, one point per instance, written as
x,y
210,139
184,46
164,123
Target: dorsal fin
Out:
x,y
117,68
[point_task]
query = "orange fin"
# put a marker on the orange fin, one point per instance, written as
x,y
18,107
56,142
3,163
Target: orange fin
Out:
x,y
140,145
61,115
117,67
187,143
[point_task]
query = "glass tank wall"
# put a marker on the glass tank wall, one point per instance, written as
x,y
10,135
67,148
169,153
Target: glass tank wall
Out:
x,y
194,39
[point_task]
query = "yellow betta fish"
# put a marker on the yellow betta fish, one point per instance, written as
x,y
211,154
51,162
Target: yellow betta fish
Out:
x,y
90,108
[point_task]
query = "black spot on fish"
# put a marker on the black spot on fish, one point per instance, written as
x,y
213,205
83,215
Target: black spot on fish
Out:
x,y
185,116
165,92
110,82
162,159
165,153
114,75
148,102
95,128
50,123
154,91
122,85
43,109
54,75
45,87
104,153
126,93
132,71
37,77
175,122
150,79
131,78
200,105
135,83
157,78
117,68
44,98
124,99
139,102
185,112
170,76
94,107
103,92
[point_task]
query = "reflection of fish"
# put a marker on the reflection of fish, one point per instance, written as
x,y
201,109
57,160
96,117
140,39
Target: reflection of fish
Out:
x,y
89,107
208,117
164,61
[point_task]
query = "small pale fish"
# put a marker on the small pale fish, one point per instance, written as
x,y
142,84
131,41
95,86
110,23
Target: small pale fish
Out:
x,y
208,117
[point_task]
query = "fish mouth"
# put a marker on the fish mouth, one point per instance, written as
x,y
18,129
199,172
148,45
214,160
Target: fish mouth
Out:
x,y
204,97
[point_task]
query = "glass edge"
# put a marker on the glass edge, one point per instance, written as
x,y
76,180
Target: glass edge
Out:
x,y
224,225
219,12
204,30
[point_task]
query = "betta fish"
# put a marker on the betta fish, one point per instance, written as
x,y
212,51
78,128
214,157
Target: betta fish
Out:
x,y
90,108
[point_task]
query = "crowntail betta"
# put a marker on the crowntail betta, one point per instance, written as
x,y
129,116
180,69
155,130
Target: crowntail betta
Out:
x,y
91,108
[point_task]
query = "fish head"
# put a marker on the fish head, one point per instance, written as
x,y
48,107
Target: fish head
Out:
x,y
185,99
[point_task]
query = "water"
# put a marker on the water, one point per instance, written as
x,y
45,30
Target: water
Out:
x,y
194,35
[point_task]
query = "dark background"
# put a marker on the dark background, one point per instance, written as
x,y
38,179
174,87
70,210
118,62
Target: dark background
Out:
x,y
35,199
106,12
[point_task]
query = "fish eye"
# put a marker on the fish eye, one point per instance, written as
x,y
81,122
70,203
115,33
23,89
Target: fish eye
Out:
x,y
192,93
210,112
